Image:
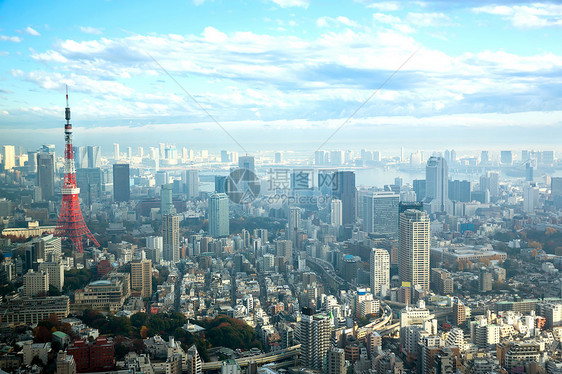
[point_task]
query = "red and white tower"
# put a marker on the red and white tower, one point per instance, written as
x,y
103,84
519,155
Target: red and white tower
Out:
x,y
71,222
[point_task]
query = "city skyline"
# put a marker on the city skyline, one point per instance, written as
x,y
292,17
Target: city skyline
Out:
x,y
286,65
281,186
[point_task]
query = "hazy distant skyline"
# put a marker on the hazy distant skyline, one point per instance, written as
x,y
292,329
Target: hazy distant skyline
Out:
x,y
284,72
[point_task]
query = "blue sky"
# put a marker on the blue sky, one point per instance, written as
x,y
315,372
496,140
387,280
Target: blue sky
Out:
x,y
283,72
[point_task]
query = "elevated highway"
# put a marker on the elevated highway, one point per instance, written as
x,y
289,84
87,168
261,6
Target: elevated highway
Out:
x,y
259,359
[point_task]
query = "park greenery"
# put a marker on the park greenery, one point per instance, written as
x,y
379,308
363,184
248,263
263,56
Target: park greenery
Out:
x,y
221,331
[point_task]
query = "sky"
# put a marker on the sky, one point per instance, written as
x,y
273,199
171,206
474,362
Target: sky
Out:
x,y
283,74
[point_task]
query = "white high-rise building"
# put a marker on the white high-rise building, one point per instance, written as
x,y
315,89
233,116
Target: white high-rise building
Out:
x,y
55,270
315,332
116,155
379,271
336,213
155,243
35,283
413,248
337,158
437,186
94,156
9,157
530,198
171,238
190,182
455,338
380,212
218,215
321,158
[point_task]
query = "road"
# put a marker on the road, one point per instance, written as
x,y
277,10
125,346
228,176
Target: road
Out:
x,y
259,359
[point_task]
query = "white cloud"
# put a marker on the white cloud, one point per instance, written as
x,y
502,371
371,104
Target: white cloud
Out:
x,y
429,19
214,36
338,21
28,30
49,56
15,39
236,75
90,30
385,6
535,15
292,3
394,21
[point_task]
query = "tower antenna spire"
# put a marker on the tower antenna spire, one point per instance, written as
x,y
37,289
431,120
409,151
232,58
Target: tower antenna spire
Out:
x,y
67,111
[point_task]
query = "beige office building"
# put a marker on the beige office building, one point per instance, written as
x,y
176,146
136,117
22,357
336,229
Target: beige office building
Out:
x,y
413,248
141,277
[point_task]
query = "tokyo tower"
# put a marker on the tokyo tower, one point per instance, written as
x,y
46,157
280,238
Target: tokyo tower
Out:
x,y
71,222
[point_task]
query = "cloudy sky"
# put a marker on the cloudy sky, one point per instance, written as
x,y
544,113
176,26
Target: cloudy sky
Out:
x,y
283,72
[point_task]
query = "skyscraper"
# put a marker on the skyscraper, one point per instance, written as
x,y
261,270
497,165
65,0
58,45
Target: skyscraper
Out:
x,y
46,175
218,215
529,172
506,157
190,181
380,213
9,157
220,183
116,154
490,182
121,184
419,189
484,158
315,331
166,204
413,248
284,248
171,238
437,186
156,245
32,162
81,157
321,158
294,224
379,270
246,162
337,158
347,193
460,190
336,213
89,181
94,156
141,277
